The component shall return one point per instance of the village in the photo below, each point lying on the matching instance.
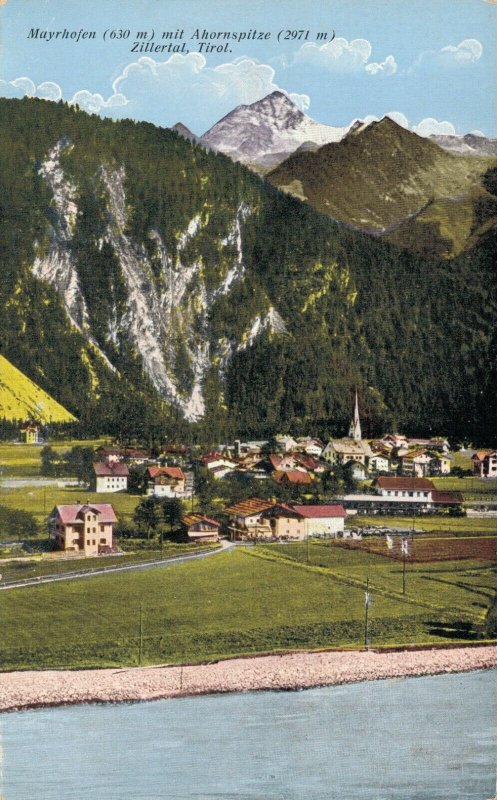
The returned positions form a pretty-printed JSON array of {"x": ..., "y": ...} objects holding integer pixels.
[{"x": 281, "y": 489}]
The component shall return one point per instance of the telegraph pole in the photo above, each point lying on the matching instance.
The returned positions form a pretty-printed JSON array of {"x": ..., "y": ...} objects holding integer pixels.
[
  {"x": 405, "y": 551},
  {"x": 367, "y": 603},
  {"x": 140, "y": 648}
]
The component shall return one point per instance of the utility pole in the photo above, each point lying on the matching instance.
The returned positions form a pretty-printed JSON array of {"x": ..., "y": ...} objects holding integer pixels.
[
  {"x": 405, "y": 550},
  {"x": 140, "y": 648},
  {"x": 367, "y": 603}
]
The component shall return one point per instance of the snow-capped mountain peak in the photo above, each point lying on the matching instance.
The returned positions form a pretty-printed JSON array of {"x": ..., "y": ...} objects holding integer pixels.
[{"x": 267, "y": 131}]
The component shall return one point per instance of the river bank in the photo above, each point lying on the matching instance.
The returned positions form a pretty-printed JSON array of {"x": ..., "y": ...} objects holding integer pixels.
[{"x": 289, "y": 671}]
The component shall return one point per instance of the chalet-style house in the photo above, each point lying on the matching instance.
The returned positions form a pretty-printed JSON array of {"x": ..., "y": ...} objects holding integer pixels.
[
  {"x": 415, "y": 463},
  {"x": 86, "y": 529},
  {"x": 111, "y": 477},
  {"x": 246, "y": 520},
  {"x": 165, "y": 481},
  {"x": 201, "y": 529},
  {"x": 255, "y": 519},
  {"x": 402, "y": 496},
  {"x": 31, "y": 432},
  {"x": 485, "y": 464}
]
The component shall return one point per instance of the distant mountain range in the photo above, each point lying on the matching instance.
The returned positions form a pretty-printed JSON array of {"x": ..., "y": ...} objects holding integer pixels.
[
  {"x": 265, "y": 133},
  {"x": 386, "y": 180},
  {"x": 468, "y": 145},
  {"x": 433, "y": 196}
]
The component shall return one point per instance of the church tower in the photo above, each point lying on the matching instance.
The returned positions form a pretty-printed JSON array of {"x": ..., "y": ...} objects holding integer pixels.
[{"x": 355, "y": 425}]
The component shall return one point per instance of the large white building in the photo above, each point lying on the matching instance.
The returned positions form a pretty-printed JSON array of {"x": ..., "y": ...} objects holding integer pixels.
[
  {"x": 322, "y": 520},
  {"x": 111, "y": 477}
]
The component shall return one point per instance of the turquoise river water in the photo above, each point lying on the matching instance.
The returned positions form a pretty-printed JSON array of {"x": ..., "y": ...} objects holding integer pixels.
[{"x": 431, "y": 738}]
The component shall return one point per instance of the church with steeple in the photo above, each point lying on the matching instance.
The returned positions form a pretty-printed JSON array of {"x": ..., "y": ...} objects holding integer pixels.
[
  {"x": 355, "y": 425},
  {"x": 353, "y": 449}
]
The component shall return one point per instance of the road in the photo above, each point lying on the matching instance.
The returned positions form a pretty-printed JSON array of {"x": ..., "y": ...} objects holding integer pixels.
[{"x": 68, "y": 576}]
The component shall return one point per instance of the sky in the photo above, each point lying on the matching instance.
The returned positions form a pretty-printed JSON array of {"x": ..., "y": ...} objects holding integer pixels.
[{"x": 430, "y": 64}]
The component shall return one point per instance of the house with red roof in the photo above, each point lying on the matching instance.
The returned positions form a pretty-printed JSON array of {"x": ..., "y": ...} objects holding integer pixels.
[
  {"x": 404, "y": 487},
  {"x": 165, "y": 481},
  {"x": 485, "y": 464},
  {"x": 292, "y": 477},
  {"x": 402, "y": 495},
  {"x": 83, "y": 528},
  {"x": 111, "y": 476}
]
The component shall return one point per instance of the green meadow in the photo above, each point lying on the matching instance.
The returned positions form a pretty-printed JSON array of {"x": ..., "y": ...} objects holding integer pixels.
[{"x": 245, "y": 601}]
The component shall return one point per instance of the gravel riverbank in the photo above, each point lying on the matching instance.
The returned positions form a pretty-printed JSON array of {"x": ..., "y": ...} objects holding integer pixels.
[{"x": 33, "y": 689}]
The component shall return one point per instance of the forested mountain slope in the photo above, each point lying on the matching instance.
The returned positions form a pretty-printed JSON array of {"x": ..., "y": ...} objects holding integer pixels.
[{"x": 146, "y": 281}]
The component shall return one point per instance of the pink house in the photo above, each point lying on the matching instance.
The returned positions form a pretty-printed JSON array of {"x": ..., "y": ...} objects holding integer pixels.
[{"x": 86, "y": 529}]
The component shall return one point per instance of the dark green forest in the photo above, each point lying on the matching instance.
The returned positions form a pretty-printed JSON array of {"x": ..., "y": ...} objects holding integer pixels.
[{"x": 416, "y": 337}]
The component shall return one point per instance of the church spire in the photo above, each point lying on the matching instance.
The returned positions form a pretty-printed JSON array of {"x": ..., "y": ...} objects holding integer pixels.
[{"x": 355, "y": 425}]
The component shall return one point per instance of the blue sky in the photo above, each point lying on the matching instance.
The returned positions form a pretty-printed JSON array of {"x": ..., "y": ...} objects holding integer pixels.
[{"x": 429, "y": 63}]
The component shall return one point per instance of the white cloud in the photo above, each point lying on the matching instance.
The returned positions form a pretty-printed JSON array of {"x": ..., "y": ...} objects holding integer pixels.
[
  {"x": 466, "y": 51},
  {"x": 339, "y": 54},
  {"x": 179, "y": 89},
  {"x": 25, "y": 87},
  {"x": 469, "y": 51},
  {"x": 386, "y": 68},
  {"x": 426, "y": 127},
  {"x": 430, "y": 126},
  {"x": 93, "y": 103},
  {"x": 182, "y": 87}
]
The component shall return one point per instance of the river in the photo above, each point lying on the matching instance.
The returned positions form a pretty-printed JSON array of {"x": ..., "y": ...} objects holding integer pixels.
[{"x": 429, "y": 738}]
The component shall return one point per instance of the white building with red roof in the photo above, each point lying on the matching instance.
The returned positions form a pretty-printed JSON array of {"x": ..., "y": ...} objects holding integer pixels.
[
  {"x": 165, "y": 481},
  {"x": 111, "y": 476},
  {"x": 83, "y": 528}
]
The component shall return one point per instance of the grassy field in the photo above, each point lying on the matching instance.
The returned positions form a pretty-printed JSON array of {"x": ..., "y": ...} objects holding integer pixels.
[
  {"x": 23, "y": 460},
  {"x": 435, "y": 524},
  {"x": 243, "y": 601},
  {"x": 40, "y": 500},
  {"x": 471, "y": 488}
]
